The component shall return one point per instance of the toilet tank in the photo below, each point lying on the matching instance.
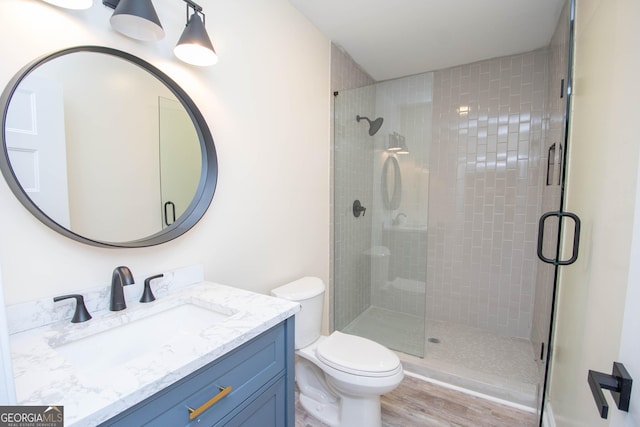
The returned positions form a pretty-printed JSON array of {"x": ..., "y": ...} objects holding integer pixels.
[{"x": 309, "y": 292}]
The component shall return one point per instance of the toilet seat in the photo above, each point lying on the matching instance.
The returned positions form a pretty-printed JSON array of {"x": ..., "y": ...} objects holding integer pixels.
[{"x": 358, "y": 356}]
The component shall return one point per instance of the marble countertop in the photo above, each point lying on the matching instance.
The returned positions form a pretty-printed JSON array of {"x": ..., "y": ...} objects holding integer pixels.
[{"x": 44, "y": 377}]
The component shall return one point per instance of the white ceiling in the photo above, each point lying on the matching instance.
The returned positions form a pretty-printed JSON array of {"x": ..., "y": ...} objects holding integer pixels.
[{"x": 394, "y": 38}]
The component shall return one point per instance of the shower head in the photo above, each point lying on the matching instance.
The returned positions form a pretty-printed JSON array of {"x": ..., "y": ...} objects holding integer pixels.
[{"x": 374, "y": 126}]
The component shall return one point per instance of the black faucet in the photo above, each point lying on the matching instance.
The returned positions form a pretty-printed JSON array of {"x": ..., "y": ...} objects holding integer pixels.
[{"x": 121, "y": 277}]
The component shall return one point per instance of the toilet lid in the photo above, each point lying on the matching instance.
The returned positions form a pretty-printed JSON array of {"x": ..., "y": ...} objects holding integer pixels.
[{"x": 357, "y": 355}]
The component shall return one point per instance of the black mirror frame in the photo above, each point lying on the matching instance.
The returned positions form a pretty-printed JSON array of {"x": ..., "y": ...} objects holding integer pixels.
[{"x": 208, "y": 178}]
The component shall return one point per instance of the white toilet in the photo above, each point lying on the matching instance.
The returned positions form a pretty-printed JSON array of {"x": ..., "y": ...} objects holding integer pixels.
[{"x": 341, "y": 377}]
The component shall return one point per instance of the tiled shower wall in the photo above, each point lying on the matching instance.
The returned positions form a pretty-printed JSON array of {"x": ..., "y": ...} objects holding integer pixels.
[
  {"x": 406, "y": 106},
  {"x": 485, "y": 171},
  {"x": 352, "y": 171},
  {"x": 486, "y": 160},
  {"x": 345, "y": 73}
]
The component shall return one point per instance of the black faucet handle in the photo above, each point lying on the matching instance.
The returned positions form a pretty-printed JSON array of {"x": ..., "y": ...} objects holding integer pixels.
[
  {"x": 81, "y": 314},
  {"x": 147, "y": 295}
]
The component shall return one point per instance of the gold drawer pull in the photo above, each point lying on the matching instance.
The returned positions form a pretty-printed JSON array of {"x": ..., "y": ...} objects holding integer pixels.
[{"x": 194, "y": 413}]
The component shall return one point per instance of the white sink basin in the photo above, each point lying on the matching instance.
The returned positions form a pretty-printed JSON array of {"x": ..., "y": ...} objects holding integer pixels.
[{"x": 103, "y": 351}]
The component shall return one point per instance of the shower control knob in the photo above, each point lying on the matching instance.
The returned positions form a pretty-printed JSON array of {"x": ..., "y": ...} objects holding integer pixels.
[{"x": 358, "y": 208}]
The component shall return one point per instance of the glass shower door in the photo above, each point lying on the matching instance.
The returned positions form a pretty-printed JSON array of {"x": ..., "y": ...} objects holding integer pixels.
[
  {"x": 380, "y": 256},
  {"x": 552, "y": 197}
]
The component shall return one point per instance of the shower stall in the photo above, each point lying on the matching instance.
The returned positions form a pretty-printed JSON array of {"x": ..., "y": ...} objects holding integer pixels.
[{"x": 451, "y": 172}]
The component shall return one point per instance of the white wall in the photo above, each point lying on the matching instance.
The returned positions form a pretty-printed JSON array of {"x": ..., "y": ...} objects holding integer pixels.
[
  {"x": 267, "y": 104},
  {"x": 7, "y": 387},
  {"x": 126, "y": 148},
  {"x": 630, "y": 345},
  {"x": 116, "y": 137}
]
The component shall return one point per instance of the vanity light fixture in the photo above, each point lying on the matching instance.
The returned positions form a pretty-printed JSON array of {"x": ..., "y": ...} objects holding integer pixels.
[
  {"x": 397, "y": 144},
  {"x": 403, "y": 145},
  {"x": 194, "y": 46},
  {"x": 71, "y": 4},
  {"x": 393, "y": 144},
  {"x": 136, "y": 19}
]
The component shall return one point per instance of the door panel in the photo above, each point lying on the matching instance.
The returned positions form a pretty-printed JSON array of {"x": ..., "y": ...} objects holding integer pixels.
[
  {"x": 601, "y": 181},
  {"x": 552, "y": 191},
  {"x": 36, "y": 145},
  {"x": 180, "y": 159}
]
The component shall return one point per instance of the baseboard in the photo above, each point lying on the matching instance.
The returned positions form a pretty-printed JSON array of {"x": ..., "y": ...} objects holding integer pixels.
[
  {"x": 471, "y": 392},
  {"x": 548, "y": 420}
]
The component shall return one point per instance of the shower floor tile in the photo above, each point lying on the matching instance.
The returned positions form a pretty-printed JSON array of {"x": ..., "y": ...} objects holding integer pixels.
[{"x": 476, "y": 359}]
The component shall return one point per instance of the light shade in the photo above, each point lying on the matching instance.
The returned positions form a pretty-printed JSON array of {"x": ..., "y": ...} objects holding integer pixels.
[
  {"x": 194, "y": 46},
  {"x": 403, "y": 145},
  {"x": 393, "y": 144},
  {"x": 397, "y": 143},
  {"x": 137, "y": 19},
  {"x": 71, "y": 4}
]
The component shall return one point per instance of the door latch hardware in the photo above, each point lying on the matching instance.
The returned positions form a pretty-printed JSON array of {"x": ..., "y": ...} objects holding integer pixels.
[{"x": 619, "y": 382}]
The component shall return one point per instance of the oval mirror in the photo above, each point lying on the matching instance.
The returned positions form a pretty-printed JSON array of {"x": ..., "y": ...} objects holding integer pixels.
[
  {"x": 391, "y": 183},
  {"x": 106, "y": 149}
]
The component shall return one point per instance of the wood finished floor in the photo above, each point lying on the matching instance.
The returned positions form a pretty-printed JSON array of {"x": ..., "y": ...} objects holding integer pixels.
[{"x": 417, "y": 403}]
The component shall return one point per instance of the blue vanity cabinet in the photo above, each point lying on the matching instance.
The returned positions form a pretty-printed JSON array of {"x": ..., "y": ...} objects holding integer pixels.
[
  {"x": 263, "y": 411},
  {"x": 260, "y": 374}
]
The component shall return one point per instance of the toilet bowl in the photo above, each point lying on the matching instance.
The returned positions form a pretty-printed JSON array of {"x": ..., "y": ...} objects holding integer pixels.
[{"x": 340, "y": 377}]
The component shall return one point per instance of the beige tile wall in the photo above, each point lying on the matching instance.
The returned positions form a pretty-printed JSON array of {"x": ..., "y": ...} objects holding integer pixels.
[
  {"x": 486, "y": 166},
  {"x": 486, "y": 160},
  {"x": 406, "y": 106}
]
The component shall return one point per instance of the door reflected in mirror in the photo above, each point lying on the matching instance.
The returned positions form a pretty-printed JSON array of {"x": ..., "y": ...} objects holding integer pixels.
[{"x": 180, "y": 159}]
